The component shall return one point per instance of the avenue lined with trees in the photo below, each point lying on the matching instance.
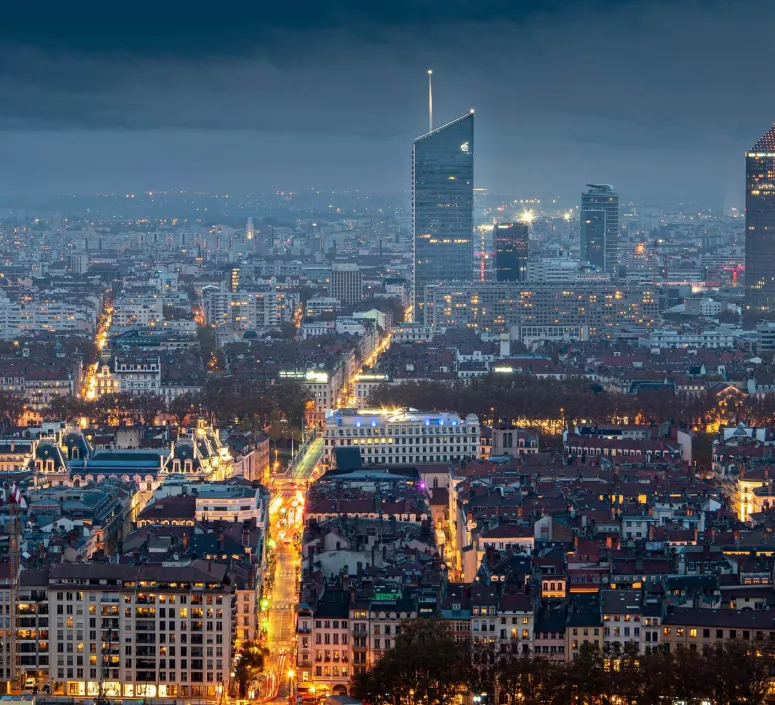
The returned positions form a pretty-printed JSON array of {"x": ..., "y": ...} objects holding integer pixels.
[
  {"x": 536, "y": 401},
  {"x": 225, "y": 401},
  {"x": 430, "y": 667}
]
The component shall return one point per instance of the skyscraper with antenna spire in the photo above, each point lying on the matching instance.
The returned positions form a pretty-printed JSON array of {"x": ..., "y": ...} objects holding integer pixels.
[
  {"x": 442, "y": 205},
  {"x": 250, "y": 230},
  {"x": 760, "y": 225}
]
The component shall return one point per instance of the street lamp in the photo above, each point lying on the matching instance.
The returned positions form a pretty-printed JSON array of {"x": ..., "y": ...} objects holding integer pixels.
[{"x": 291, "y": 674}]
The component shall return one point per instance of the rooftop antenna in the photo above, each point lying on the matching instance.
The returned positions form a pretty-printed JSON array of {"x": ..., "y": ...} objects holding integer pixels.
[{"x": 430, "y": 100}]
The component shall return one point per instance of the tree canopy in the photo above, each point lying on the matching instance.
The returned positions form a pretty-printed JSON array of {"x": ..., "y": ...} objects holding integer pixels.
[
  {"x": 250, "y": 663},
  {"x": 428, "y": 665},
  {"x": 529, "y": 399}
]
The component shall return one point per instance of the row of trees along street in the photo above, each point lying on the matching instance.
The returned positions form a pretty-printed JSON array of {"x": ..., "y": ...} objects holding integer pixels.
[
  {"x": 540, "y": 401},
  {"x": 429, "y": 666},
  {"x": 225, "y": 401}
]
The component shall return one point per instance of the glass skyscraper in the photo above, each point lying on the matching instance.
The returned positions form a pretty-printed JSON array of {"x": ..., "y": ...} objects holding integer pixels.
[
  {"x": 511, "y": 249},
  {"x": 600, "y": 227},
  {"x": 442, "y": 207},
  {"x": 760, "y": 225}
]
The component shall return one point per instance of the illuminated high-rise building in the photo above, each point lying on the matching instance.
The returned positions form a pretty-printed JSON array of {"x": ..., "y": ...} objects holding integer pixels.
[
  {"x": 511, "y": 249},
  {"x": 600, "y": 227},
  {"x": 250, "y": 230},
  {"x": 442, "y": 207},
  {"x": 760, "y": 225}
]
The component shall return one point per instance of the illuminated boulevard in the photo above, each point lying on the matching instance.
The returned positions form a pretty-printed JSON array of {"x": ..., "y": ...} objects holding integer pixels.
[{"x": 286, "y": 516}]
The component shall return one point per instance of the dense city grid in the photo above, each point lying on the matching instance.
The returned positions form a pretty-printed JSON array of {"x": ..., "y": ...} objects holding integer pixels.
[{"x": 461, "y": 445}]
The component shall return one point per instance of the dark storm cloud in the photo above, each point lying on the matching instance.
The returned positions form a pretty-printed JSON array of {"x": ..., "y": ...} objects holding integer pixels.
[
  {"x": 337, "y": 67},
  {"x": 655, "y": 96},
  {"x": 196, "y": 29}
]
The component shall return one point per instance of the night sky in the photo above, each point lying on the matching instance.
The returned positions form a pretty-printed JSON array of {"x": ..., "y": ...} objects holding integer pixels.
[{"x": 659, "y": 98}]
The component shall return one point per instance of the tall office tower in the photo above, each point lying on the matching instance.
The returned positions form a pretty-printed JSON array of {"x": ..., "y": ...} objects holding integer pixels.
[
  {"x": 442, "y": 207},
  {"x": 511, "y": 248},
  {"x": 250, "y": 231},
  {"x": 600, "y": 227},
  {"x": 346, "y": 282},
  {"x": 760, "y": 225}
]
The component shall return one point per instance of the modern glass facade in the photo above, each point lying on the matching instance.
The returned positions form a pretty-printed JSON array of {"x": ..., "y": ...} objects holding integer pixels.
[
  {"x": 600, "y": 227},
  {"x": 511, "y": 250},
  {"x": 443, "y": 207},
  {"x": 760, "y": 225}
]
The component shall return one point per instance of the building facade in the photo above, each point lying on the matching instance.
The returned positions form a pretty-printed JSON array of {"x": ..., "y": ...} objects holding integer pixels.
[
  {"x": 511, "y": 252},
  {"x": 346, "y": 283},
  {"x": 600, "y": 227},
  {"x": 760, "y": 224},
  {"x": 442, "y": 207},
  {"x": 401, "y": 436},
  {"x": 143, "y": 631},
  {"x": 600, "y": 308},
  {"x": 258, "y": 307}
]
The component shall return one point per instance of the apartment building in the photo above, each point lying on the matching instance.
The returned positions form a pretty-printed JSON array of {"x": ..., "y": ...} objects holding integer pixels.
[
  {"x": 42, "y": 385},
  {"x": 17, "y": 318},
  {"x": 748, "y": 490},
  {"x": 260, "y": 307},
  {"x": 144, "y": 631},
  {"x": 622, "y": 619},
  {"x": 484, "y": 614},
  {"x": 137, "y": 375},
  {"x": 401, "y": 436},
  {"x": 39, "y": 380},
  {"x": 516, "y": 621},
  {"x": 32, "y": 627},
  {"x": 365, "y": 384},
  {"x": 105, "y": 382},
  {"x": 137, "y": 311},
  {"x": 6, "y": 632},
  {"x": 584, "y": 625},
  {"x": 323, "y": 656},
  {"x": 230, "y": 503},
  {"x": 323, "y": 387},
  {"x": 696, "y": 628},
  {"x": 346, "y": 282},
  {"x": 513, "y": 441},
  {"x": 495, "y": 308},
  {"x": 386, "y": 612},
  {"x": 317, "y": 305},
  {"x": 413, "y": 333}
]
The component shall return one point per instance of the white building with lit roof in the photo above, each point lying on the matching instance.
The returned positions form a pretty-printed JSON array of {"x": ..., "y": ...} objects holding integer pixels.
[{"x": 402, "y": 436}]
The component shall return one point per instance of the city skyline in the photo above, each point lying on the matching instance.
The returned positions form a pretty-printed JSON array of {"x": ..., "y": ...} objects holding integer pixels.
[{"x": 292, "y": 414}]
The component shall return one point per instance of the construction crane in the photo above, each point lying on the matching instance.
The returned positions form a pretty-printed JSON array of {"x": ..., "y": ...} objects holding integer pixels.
[{"x": 16, "y": 502}]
